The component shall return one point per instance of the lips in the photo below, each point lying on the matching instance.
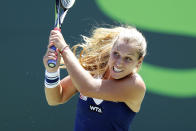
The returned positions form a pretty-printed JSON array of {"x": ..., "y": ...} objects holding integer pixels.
[{"x": 117, "y": 70}]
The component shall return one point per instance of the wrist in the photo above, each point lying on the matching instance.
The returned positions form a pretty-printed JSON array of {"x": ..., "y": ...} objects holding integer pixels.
[
  {"x": 52, "y": 79},
  {"x": 66, "y": 47},
  {"x": 52, "y": 74}
]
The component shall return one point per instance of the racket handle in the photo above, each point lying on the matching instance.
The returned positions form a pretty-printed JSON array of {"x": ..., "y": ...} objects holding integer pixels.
[{"x": 52, "y": 63}]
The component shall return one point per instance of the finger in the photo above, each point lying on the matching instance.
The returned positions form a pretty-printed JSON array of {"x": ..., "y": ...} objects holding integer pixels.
[
  {"x": 52, "y": 54},
  {"x": 58, "y": 56},
  {"x": 53, "y": 32},
  {"x": 56, "y": 35},
  {"x": 51, "y": 58},
  {"x": 51, "y": 50},
  {"x": 46, "y": 58},
  {"x": 54, "y": 41},
  {"x": 54, "y": 38},
  {"x": 50, "y": 44},
  {"x": 58, "y": 53}
]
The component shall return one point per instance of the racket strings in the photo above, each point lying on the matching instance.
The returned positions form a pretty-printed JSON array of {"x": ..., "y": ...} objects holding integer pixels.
[{"x": 60, "y": 14}]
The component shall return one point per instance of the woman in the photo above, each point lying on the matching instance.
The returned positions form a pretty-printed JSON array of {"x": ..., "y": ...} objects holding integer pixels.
[{"x": 105, "y": 75}]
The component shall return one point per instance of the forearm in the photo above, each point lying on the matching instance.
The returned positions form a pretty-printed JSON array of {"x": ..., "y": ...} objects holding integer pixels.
[
  {"x": 53, "y": 95},
  {"x": 82, "y": 79},
  {"x": 53, "y": 89}
]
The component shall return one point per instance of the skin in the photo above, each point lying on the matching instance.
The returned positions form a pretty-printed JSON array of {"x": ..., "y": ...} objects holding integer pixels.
[
  {"x": 123, "y": 57},
  {"x": 123, "y": 86}
]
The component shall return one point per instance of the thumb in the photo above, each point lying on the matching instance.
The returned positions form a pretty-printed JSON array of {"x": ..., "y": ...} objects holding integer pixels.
[{"x": 58, "y": 55}]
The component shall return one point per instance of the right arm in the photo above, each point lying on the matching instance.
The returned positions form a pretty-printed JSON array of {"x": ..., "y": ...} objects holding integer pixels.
[
  {"x": 63, "y": 91},
  {"x": 60, "y": 94}
]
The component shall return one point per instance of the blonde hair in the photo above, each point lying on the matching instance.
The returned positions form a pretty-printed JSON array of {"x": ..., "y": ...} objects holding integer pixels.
[{"x": 96, "y": 49}]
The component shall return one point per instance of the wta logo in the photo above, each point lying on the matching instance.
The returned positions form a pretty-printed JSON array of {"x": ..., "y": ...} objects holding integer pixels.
[{"x": 96, "y": 108}]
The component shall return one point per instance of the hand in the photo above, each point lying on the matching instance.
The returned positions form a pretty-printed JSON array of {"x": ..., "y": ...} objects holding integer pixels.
[
  {"x": 51, "y": 54},
  {"x": 56, "y": 39}
]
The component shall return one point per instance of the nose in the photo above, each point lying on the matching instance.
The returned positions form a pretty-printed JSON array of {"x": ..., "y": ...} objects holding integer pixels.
[{"x": 119, "y": 62}]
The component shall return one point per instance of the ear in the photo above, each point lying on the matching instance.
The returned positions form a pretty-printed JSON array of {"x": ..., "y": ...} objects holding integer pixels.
[{"x": 140, "y": 61}]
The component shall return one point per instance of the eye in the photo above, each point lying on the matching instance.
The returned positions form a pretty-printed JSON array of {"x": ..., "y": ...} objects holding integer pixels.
[
  {"x": 115, "y": 54},
  {"x": 128, "y": 59}
]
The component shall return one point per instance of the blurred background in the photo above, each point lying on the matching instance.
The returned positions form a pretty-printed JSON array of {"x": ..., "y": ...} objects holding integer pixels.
[{"x": 169, "y": 68}]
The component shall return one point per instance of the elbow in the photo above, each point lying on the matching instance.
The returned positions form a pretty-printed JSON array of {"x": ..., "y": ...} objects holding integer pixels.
[
  {"x": 85, "y": 90},
  {"x": 56, "y": 103},
  {"x": 89, "y": 88},
  {"x": 53, "y": 104}
]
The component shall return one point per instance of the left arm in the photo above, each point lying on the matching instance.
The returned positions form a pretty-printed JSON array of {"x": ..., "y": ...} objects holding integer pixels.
[{"x": 113, "y": 90}]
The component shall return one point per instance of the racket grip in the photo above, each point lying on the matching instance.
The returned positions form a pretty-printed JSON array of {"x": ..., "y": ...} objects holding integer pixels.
[{"x": 52, "y": 63}]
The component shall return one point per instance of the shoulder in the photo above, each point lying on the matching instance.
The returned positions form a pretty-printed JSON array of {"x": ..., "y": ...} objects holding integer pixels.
[
  {"x": 137, "y": 92},
  {"x": 139, "y": 82}
]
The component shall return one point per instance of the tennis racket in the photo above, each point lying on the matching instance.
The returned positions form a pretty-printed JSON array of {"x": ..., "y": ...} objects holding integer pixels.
[{"x": 61, "y": 8}]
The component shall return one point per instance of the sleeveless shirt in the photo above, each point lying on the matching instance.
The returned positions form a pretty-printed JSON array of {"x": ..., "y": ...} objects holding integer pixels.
[{"x": 101, "y": 115}]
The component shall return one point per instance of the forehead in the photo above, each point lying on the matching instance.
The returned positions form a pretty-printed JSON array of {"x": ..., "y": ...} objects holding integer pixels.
[{"x": 125, "y": 46}]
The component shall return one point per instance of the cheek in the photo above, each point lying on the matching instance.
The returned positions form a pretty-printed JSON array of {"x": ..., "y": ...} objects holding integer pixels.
[
  {"x": 129, "y": 69},
  {"x": 111, "y": 57},
  {"x": 130, "y": 66},
  {"x": 111, "y": 60},
  {"x": 134, "y": 66}
]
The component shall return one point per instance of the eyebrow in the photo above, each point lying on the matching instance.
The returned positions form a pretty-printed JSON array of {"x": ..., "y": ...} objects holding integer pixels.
[{"x": 131, "y": 54}]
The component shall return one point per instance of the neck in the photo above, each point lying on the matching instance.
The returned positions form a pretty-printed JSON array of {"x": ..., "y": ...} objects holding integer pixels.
[{"x": 107, "y": 76}]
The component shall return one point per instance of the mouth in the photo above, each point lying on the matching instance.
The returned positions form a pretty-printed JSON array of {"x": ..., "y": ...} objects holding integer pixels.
[{"x": 117, "y": 70}]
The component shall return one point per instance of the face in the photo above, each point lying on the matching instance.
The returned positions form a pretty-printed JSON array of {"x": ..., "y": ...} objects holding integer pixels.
[{"x": 123, "y": 59}]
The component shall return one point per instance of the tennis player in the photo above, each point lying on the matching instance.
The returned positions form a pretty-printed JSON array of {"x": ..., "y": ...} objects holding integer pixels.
[{"x": 105, "y": 75}]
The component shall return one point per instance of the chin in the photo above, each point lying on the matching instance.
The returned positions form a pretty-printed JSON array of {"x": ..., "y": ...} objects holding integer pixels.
[{"x": 117, "y": 77}]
